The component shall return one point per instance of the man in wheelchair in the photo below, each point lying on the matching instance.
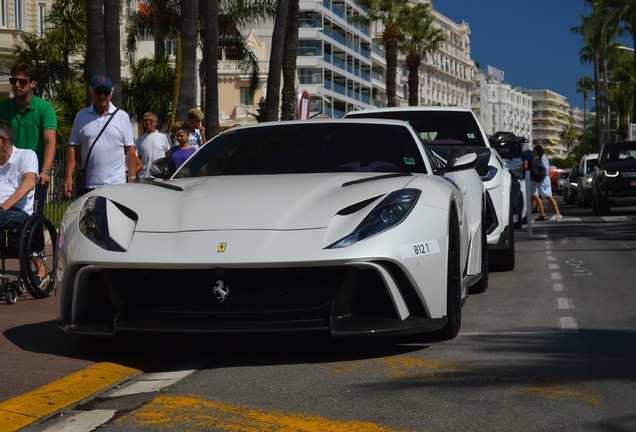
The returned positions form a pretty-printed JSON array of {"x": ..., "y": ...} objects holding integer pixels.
[{"x": 18, "y": 177}]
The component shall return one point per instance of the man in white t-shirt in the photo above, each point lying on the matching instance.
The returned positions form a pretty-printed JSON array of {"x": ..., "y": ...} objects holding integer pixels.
[
  {"x": 18, "y": 176},
  {"x": 152, "y": 145},
  {"x": 113, "y": 159}
]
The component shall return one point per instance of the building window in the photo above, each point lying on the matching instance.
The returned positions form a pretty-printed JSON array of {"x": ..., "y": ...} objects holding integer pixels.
[
  {"x": 19, "y": 11},
  {"x": 41, "y": 19},
  {"x": 309, "y": 76},
  {"x": 171, "y": 47},
  {"x": 3, "y": 14},
  {"x": 309, "y": 48},
  {"x": 246, "y": 97}
]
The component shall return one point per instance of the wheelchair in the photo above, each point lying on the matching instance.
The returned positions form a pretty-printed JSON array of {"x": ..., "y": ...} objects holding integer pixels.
[{"x": 33, "y": 244}]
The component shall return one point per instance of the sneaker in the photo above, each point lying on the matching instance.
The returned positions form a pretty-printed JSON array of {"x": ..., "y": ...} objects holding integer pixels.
[
  {"x": 541, "y": 218},
  {"x": 42, "y": 283},
  {"x": 556, "y": 217}
]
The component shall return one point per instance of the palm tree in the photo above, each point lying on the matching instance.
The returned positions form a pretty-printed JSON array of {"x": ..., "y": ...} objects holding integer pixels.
[
  {"x": 420, "y": 38},
  {"x": 112, "y": 40},
  {"x": 568, "y": 135},
  {"x": 623, "y": 12},
  {"x": 621, "y": 101},
  {"x": 189, "y": 35},
  {"x": 276, "y": 62},
  {"x": 290, "y": 54},
  {"x": 146, "y": 89},
  {"x": 585, "y": 85},
  {"x": 211, "y": 47},
  {"x": 96, "y": 44},
  {"x": 391, "y": 14}
]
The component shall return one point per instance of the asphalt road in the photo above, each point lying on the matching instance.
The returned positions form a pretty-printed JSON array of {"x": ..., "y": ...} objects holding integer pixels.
[{"x": 551, "y": 346}]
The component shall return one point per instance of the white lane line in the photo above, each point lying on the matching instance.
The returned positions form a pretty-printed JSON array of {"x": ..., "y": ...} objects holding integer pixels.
[
  {"x": 78, "y": 421},
  {"x": 556, "y": 276},
  {"x": 565, "y": 303},
  {"x": 553, "y": 266},
  {"x": 559, "y": 287},
  {"x": 569, "y": 324}
]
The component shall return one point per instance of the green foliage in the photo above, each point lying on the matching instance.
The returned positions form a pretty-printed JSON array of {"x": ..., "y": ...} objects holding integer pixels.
[{"x": 149, "y": 88}]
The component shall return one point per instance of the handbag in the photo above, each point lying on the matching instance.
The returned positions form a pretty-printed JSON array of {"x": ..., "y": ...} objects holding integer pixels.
[{"x": 80, "y": 175}]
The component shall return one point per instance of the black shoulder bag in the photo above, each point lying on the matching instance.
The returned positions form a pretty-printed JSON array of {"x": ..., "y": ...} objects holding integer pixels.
[{"x": 80, "y": 176}]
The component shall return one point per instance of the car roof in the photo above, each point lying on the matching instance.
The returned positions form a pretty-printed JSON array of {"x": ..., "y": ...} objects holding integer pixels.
[{"x": 411, "y": 108}]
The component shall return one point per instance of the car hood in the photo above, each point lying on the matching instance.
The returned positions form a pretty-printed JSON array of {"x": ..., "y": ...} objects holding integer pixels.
[{"x": 264, "y": 202}]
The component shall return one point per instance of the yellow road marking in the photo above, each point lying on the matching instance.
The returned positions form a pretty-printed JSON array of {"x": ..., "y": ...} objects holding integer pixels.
[
  {"x": 564, "y": 392},
  {"x": 193, "y": 413},
  {"x": 20, "y": 411}
]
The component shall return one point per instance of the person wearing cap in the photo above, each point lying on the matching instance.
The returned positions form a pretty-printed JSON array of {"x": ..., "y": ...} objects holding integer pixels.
[
  {"x": 34, "y": 123},
  {"x": 113, "y": 159}
]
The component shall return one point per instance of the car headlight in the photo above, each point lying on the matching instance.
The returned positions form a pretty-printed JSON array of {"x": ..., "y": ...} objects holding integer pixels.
[
  {"x": 392, "y": 210},
  {"x": 487, "y": 173},
  {"x": 610, "y": 173},
  {"x": 107, "y": 224},
  {"x": 589, "y": 180}
]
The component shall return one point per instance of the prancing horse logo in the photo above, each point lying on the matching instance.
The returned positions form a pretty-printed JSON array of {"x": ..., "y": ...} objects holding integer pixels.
[{"x": 221, "y": 290}]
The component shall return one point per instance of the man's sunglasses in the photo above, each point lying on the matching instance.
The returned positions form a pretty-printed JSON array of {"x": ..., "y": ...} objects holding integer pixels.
[
  {"x": 22, "y": 81},
  {"x": 102, "y": 92}
]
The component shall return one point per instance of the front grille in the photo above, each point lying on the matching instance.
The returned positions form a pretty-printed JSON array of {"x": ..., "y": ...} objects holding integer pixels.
[{"x": 248, "y": 290}]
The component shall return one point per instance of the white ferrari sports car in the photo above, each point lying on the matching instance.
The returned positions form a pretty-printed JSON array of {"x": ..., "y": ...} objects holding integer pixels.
[
  {"x": 454, "y": 131},
  {"x": 350, "y": 227}
]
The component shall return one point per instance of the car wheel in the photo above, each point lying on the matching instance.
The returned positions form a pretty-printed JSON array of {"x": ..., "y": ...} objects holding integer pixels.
[
  {"x": 482, "y": 285},
  {"x": 453, "y": 284}
]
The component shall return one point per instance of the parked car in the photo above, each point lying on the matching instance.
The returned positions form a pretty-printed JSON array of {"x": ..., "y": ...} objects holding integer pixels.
[
  {"x": 614, "y": 177},
  {"x": 509, "y": 147},
  {"x": 348, "y": 227},
  {"x": 564, "y": 174},
  {"x": 452, "y": 132},
  {"x": 585, "y": 179},
  {"x": 570, "y": 191}
]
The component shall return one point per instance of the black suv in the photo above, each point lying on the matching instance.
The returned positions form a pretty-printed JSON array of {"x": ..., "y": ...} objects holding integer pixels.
[{"x": 614, "y": 176}]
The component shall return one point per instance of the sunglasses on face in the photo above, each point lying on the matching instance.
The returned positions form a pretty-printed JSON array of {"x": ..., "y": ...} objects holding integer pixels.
[
  {"x": 22, "y": 81},
  {"x": 102, "y": 92}
]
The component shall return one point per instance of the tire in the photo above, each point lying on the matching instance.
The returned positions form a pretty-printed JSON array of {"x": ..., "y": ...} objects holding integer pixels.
[
  {"x": 10, "y": 295},
  {"x": 504, "y": 259},
  {"x": 453, "y": 283},
  {"x": 37, "y": 248},
  {"x": 482, "y": 285}
]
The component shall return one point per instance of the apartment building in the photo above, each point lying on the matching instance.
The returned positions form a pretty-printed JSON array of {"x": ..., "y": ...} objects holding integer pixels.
[
  {"x": 550, "y": 114},
  {"x": 510, "y": 110},
  {"x": 447, "y": 76}
]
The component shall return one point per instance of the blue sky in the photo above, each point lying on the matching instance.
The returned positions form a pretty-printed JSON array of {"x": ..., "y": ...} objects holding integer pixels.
[{"x": 530, "y": 40}]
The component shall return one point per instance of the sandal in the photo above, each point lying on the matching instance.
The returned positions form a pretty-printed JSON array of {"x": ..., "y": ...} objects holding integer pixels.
[{"x": 542, "y": 218}]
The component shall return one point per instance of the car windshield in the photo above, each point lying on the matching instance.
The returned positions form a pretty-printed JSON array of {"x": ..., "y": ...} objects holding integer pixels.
[
  {"x": 591, "y": 163},
  {"x": 310, "y": 147},
  {"x": 616, "y": 152},
  {"x": 437, "y": 128}
]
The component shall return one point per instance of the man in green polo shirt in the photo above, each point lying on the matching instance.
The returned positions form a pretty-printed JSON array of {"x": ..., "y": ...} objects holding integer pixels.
[{"x": 34, "y": 123}]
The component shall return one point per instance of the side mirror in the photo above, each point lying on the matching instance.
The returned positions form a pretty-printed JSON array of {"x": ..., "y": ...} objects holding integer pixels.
[
  {"x": 163, "y": 168},
  {"x": 464, "y": 162}
]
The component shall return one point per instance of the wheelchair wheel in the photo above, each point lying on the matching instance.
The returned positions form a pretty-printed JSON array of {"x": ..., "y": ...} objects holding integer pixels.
[
  {"x": 10, "y": 295},
  {"x": 37, "y": 250}
]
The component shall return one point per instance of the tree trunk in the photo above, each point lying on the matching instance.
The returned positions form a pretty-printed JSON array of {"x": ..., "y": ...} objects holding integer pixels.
[
  {"x": 189, "y": 37},
  {"x": 211, "y": 47},
  {"x": 413, "y": 66},
  {"x": 391, "y": 47},
  {"x": 159, "y": 24},
  {"x": 112, "y": 38},
  {"x": 95, "y": 43},
  {"x": 272, "y": 100},
  {"x": 288, "y": 111}
]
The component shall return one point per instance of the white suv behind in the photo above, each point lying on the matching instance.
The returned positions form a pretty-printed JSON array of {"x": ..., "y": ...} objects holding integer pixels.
[{"x": 452, "y": 132}]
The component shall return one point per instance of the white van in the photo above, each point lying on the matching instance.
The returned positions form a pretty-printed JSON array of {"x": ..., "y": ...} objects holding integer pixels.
[{"x": 585, "y": 178}]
